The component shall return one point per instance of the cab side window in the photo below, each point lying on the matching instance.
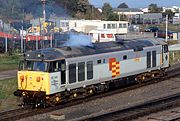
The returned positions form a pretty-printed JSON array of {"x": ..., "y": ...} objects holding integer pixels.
[
  {"x": 53, "y": 66},
  {"x": 72, "y": 73},
  {"x": 62, "y": 66},
  {"x": 81, "y": 71},
  {"x": 165, "y": 48},
  {"x": 89, "y": 70}
]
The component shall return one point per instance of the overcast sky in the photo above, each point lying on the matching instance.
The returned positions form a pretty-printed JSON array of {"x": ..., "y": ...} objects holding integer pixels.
[{"x": 137, "y": 3}]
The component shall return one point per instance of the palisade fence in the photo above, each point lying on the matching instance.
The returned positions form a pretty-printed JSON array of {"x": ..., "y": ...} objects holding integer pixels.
[
  {"x": 19, "y": 44},
  {"x": 174, "y": 53},
  {"x": 178, "y": 35},
  {"x": 174, "y": 57}
]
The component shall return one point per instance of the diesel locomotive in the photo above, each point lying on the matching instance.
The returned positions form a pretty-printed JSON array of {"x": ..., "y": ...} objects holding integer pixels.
[{"x": 54, "y": 75}]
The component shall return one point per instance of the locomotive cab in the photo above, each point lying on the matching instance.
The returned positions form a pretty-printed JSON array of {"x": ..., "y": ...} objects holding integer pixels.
[{"x": 39, "y": 79}]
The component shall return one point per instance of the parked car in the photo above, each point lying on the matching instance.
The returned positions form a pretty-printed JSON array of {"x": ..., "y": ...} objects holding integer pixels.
[
  {"x": 162, "y": 34},
  {"x": 152, "y": 29}
]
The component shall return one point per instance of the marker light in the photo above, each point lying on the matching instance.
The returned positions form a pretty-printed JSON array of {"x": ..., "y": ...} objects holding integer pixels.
[
  {"x": 24, "y": 94},
  {"x": 38, "y": 79}
]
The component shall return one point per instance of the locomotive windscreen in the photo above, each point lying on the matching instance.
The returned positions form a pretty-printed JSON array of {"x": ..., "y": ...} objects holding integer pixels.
[{"x": 33, "y": 66}]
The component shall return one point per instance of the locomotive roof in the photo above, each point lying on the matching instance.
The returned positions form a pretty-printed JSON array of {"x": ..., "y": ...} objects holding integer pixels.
[{"x": 50, "y": 54}]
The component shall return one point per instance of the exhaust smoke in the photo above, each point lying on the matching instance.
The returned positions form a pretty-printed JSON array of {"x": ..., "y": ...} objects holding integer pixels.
[{"x": 77, "y": 40}]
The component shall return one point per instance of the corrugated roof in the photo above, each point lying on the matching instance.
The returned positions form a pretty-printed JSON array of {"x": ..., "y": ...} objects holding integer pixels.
[{"x": 127, "y": 10}]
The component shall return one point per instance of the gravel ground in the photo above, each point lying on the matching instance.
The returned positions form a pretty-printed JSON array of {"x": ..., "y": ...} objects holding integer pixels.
[
  {"x": 162, "y": 116},
  {"x": 114, "y": 102}
]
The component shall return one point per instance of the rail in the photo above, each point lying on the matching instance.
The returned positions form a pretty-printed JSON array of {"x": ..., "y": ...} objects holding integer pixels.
[{"x": 140, "y": 110}]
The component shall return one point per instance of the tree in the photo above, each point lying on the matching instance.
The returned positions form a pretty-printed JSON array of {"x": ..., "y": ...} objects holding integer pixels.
[
  {"x": 169, "y": 13},
  {"x": 176, "y": 10},
  {"x": 106, "y": 11},
  {"x": 108, "y": 14},
  {"x": 74, "y": 7},
  {"x": 123, "y": 17},
  {"x": 153, "y": 8},
  {"x": 18, "y": 10},
  {"x": 70, "y": 6},
  {"x": 11, "y": 9},
  {"x": 113, "y": 17},
  {"x": 123, "y": 5},
  {"x": 92, "y": 13},
  {"x": 83, "y": 5}
]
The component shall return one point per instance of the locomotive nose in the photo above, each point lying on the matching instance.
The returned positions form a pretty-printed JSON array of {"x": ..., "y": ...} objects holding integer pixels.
[{"x": 32, "y": 81}]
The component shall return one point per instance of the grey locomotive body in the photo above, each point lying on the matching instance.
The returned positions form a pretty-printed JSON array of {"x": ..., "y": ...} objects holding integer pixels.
[{"x": 74, "y": 71}]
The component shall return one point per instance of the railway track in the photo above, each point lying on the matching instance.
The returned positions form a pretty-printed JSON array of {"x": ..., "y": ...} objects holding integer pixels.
[
  {"x": 172, "y": 116},
  {"x": 134, "y": 112},
  {"x": 11, "y": 114},
  {"x": 26, "y": 112}
]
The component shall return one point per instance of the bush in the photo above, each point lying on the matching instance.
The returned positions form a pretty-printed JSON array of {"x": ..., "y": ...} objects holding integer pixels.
[
  {"x": 172, "y": 42},
  {"x": 9, "y": 62}
]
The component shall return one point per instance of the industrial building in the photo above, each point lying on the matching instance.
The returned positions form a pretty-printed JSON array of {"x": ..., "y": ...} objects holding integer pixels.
[{"x": 85, "y": 26}]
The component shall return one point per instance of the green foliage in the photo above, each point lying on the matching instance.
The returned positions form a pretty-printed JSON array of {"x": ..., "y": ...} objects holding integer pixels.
[
  {"x": 176, "y": 10},
  {"x": 74, "y": 6},
  {"x": 109, "y": 15},
  {"x": 7, "y": 87},
  {"x": 11, "y": 9},
  {"x": 153, "y": 8},
  {"x": 7, "y": 99},
  {"x": 9, "y": 62},
  {"x": 82, "y": 5},
  {"x": 176, "y": 58},
  {"x": 169, "y": 13},
  {"x": 69, "y": 5},
  {"x": 113, "y": 17},
  {"x": 123, "y": 5},
  {"x": 18, "y": 10},
  {"x": 106, "y": 11},
  {"x": 123, "y": 17}
]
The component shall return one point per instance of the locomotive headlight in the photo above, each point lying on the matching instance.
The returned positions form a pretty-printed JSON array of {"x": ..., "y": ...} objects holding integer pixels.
[
  {"x": 24, "y": 94},
  {"x": 39, "y": 55}
]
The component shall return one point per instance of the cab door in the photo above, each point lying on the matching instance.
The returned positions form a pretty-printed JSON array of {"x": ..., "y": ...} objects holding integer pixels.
[
  {"x": 57, "y": 70},
  {"x": 55, "y": 77},
  {"x": 165, "y": 56},
  {"x": 62, "y": 66}
]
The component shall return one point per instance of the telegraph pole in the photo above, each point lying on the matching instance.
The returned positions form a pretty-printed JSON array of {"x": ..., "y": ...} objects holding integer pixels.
[
  {"x": 6, "y": 44},
  {"x": 44, "y": 9},
  {"x": 22, "y": 43},
  {"x": 44, "y": 20},
  {"x": 166, "y": 28}
]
